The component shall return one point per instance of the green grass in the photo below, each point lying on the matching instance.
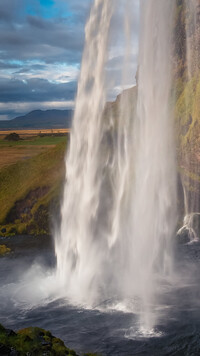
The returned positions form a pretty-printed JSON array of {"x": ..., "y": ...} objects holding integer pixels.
[
  {"x": 35, "y": 141},
  {"x": 17, "y": 180}
]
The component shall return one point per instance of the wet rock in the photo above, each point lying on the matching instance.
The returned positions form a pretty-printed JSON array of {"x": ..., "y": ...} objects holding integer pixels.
[
  {"x": 10, "y": 332},
  {"x": 190, "y": 230},
  {"x": 183, "y": 235},
  {"x": 14, "y": 352},
  {"x": 5, "y": 350}
]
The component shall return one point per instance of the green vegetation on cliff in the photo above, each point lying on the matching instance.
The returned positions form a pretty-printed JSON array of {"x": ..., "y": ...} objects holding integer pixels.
[
  {"x": 33, "y": 342},
  {"x": 186, "y": 67},
  {"x": 187, "y": 121},
  {"x": 187, "y": 113}
]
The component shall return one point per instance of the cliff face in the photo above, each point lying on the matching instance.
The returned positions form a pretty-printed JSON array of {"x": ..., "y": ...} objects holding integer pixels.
[
  {"x": 187, "y": 99},
  {"x": 186, "y": 96}
]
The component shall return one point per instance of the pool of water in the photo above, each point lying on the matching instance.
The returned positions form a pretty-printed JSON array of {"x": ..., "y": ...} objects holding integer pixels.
[{"x": 112, "y": 328}]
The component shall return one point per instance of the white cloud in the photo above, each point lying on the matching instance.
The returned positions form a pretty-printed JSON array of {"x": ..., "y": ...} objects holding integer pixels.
[{"x": 29, "y": 106}]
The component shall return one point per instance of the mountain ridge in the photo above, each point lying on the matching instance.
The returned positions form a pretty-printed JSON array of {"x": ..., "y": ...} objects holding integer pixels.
[{"x": 40, "y": 119}]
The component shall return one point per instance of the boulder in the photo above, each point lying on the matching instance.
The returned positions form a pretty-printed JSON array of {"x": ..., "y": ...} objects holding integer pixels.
[
  {"x": 183, "y": 235},
  {"x": 190, "y": 230}
]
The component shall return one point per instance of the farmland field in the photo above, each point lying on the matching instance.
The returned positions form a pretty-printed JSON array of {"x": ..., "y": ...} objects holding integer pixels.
[
  {"x": 27, "y": 147},
  {"x": 28, "y": 133}
]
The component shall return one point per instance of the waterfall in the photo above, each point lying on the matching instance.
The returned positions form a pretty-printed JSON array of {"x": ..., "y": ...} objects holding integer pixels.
[
  {"x": 119, "y": 204},
  {"x": 79, "y": 248}
]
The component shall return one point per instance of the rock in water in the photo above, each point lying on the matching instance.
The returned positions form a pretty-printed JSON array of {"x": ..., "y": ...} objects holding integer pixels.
[{"x": 190, "y": 230}]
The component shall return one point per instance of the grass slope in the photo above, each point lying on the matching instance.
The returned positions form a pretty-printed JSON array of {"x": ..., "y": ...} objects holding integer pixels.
[{"x": 29, "y": 187}]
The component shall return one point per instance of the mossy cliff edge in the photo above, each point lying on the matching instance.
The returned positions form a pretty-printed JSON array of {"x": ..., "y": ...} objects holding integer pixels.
[{"x": 33, "y": 342}]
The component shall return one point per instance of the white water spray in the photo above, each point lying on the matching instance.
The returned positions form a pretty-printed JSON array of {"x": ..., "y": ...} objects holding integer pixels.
[
  {"x": 118, "y": 213},
  {"x": 154, "y": 189}
]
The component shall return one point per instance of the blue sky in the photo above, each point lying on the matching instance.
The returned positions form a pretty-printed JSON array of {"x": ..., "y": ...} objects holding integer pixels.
[{"x": 41, "y": 44}]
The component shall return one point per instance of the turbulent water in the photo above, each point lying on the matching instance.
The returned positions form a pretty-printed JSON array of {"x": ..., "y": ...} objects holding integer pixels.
[
  {"x": 25, "y": 302},
  {"x": 118, "y": 213}
]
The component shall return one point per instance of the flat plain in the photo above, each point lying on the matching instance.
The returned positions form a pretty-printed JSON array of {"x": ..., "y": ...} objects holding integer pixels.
[{"x": 28, "y": 147}]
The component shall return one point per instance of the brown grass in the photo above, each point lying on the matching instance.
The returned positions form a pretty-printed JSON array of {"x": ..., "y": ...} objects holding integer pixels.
[
  {"x": 28, "y": 133},
  {"x": 27, "y": 148},
  {"x": 10, "y": 155},
  {"x": 43, "y": 170}
]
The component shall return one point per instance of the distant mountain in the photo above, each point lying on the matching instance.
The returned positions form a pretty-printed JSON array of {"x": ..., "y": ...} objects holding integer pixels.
[{"x": 39, "y": 119}]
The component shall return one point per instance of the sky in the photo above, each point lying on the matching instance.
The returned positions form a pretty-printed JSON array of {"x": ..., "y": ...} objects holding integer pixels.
[{"x": 41, "y": 44}]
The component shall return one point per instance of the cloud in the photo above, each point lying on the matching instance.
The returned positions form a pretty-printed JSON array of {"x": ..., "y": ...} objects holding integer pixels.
[
  {"x": 39, "y": 55},
  {"x": 25, "y": 36},
  {"x": 32, "y": 90},
  {"x": 41, "y": 44}
]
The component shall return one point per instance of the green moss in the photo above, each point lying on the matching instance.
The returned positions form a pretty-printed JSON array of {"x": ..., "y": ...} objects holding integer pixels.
[
  {"x": 4, "y": 250},
  {"x": 187, "y": 114},
  {"x": 189, "y": 174},
  {"x": 34, "y": 341}
]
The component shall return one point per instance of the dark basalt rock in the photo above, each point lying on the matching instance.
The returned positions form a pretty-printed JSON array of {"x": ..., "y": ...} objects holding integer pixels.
[
  {"x": 183, "y": 236},
  {"x": 5, "y": 350},
  {"x": 10, "y": 332},
  {"x": 13, "y": 352}
]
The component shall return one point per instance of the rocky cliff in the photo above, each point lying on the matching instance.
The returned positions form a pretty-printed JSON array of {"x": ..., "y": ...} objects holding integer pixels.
[
  {"x": 186, "y": 70},
  {"x": 186, "y": 103}
]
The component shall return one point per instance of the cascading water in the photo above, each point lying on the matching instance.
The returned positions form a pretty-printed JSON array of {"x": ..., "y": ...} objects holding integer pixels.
[
  {"x": 80, "y": 251},
  {"x": 118, "y": 213},
  {"x": 153, "y": 204}
]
